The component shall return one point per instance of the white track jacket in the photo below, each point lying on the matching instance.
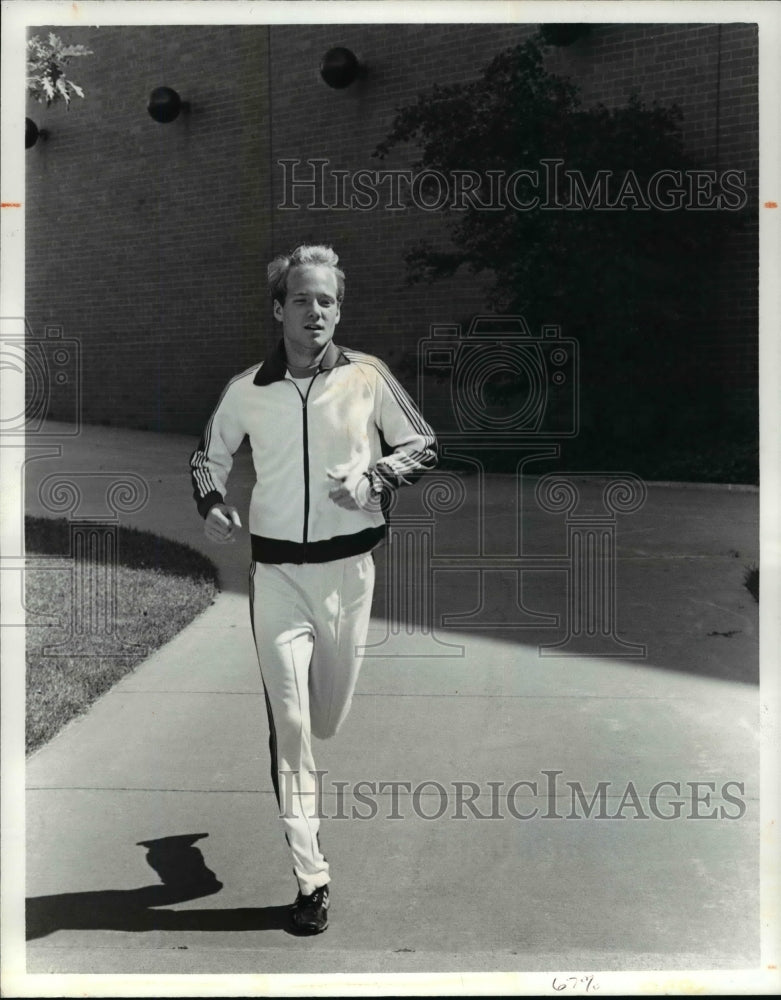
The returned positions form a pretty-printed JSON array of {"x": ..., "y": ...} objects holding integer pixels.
[{"x": 353, "y": 413}]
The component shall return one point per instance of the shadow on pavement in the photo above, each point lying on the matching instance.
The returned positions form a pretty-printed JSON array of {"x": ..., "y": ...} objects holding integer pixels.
[
  {"x": 668, "y": 577},
  {"x": 184, "y": 875},
  {"x": 130, "y": 910}
]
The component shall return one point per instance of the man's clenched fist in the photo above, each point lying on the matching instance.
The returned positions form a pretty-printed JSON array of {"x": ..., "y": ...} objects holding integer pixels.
[{"x": 221, "y": 523}]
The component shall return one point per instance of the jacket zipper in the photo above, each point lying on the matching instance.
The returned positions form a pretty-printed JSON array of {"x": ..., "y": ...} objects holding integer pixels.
[{"x": 304, "y": 400}]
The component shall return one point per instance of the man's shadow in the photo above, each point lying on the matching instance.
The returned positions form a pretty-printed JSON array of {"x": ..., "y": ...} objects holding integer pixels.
[{"x": 183, "y": 875}]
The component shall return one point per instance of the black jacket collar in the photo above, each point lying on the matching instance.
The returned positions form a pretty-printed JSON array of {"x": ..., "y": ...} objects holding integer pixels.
[{"x": 274, "y": 366}]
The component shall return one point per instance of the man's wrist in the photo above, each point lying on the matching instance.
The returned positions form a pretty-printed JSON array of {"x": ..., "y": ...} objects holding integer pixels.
[
  {"x": 375, "y": 491},
  {"x": 206, "y": 503},
  {"x": 375, "y": 484}
]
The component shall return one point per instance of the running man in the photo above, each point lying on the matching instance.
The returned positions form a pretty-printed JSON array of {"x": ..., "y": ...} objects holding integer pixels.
[{"x": 331, "y": 431}]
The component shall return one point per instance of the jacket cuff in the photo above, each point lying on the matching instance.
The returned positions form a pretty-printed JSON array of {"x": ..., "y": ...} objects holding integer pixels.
[
  {"x": 375, "y": 483},
  {"x": 206, "y": 503},
  {"x": 379, "y": 492}
]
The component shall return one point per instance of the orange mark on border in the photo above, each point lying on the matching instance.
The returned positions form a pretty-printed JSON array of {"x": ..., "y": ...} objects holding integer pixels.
[
  {"x": 10, "y": 204},
  {"x": 771, "y": 204}
]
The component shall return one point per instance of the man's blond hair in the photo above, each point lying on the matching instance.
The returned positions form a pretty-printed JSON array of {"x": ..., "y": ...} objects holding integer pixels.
[{"x": 319, "y": 256}]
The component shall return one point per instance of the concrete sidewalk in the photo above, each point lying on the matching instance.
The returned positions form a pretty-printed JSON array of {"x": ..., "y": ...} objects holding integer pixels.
[{"x": 178, "y": 749}]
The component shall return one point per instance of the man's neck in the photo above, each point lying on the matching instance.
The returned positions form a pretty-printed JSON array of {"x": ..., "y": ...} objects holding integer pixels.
[
  {"x": 303, "y": 360},
  {"x": 297, "y": 372}
]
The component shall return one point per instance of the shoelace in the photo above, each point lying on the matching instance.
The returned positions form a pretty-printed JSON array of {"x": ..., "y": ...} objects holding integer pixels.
[{"x": 315, "y": 899}]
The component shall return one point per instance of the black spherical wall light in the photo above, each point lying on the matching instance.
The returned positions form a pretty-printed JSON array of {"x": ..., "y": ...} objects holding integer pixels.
[
  {"x": 339, "y": 67},
  {"x": 31, "y": 133},
  {"x": 165, "y": 105}
]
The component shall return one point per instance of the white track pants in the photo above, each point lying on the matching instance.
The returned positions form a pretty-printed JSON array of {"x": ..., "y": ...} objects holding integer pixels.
[{"x": 307, "y": 621}]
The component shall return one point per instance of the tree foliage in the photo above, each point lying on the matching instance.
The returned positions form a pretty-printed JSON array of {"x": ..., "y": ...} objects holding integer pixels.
[
  {"x": 635, "y": 285},
  {"x": 46, "y": 61}
]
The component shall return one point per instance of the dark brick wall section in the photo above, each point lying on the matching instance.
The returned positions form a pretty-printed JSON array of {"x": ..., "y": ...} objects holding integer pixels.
[
  {"x": 149, "y": 242},
  {"x": 145, "y": 240},
  {"x": 711, "y": 72}
]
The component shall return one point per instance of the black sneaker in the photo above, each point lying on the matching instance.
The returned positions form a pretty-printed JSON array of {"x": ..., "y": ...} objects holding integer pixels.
[{"x": 310, "y": 913}]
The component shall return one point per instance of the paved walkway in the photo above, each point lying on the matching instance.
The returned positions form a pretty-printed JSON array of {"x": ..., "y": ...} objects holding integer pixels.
[{"x": 176, "y": 754}]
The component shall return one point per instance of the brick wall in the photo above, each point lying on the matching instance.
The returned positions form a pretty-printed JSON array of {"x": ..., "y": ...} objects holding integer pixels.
[
  {"x": 148, "y": 242},
  {"x": 145, "y": 241}
]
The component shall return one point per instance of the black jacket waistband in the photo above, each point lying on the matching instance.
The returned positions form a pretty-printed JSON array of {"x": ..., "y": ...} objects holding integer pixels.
[{"x": 278, "y": 550}]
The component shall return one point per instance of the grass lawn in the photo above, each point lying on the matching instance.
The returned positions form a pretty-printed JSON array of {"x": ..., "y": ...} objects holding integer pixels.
[{"x": 160, "y": 587}]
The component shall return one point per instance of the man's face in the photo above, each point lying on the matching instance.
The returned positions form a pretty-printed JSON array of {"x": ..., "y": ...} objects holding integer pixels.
[{"x": 311, "y": 311}]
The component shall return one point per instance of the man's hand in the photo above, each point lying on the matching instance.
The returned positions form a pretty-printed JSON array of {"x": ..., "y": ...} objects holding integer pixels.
[
  {"x": 350, "y": 491},
  {"x": 352, "y": 487},
  {"x": 221, "y": 523}
]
